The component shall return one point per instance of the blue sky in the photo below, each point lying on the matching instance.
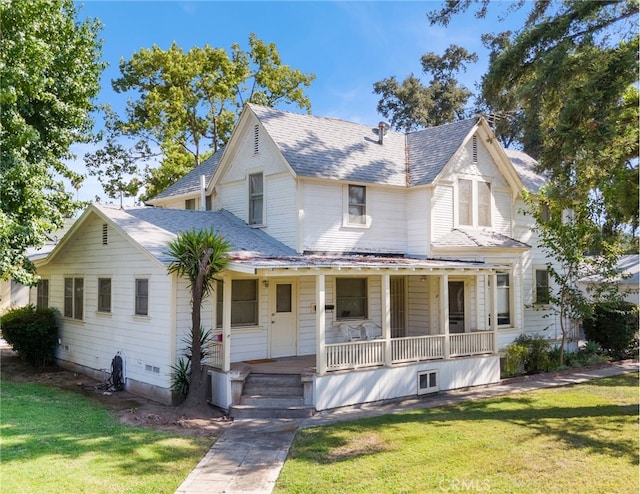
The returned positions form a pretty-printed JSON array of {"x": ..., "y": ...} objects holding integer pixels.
[{"x": 348, "y": 45}]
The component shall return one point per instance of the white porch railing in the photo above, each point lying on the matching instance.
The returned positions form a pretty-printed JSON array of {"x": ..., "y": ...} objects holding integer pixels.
[
  {"x": 416, "y": 348},
  {"x": 464, "y": 344},
  {"x": 355, "y": 354}
]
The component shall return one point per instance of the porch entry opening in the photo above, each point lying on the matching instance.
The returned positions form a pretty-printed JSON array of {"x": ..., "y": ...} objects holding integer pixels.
[
  {"x": 284, "y": 327},
  {"x": 456, "y": 307}
]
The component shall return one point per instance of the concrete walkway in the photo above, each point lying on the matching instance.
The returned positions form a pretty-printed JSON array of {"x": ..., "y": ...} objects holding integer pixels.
[{"x": 248, "y": 457}]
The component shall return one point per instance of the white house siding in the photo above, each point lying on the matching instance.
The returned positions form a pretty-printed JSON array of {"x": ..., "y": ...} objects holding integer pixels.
[
  {"x": 442, "y": 215},
  {"x": 324, "y": 229},
  {"x": 144, "y": 342},
  {"x": 418, "y": 306},
  {"x": 502, "y": 212},
  {"x": 339, "y": 389},
  {"x": 418, "y": 227},
  {"x": 281, "y": 218}
]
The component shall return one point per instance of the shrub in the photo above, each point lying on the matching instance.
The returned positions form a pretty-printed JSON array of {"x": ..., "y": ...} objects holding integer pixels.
[
  {"x": 32, "y": 332},
  {"x": 614, "y": 326},
  {"x": 527, "y": 355}
]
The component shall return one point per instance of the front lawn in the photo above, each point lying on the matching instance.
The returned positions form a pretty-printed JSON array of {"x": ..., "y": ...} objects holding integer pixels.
[
  {"x": 578, "y": 439},
  {"x": 56, "y": 441}
]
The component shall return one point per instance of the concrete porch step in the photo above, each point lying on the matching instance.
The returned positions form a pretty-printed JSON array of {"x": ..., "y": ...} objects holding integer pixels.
[
  {"x": 249, "y": 411},
  {"x": 272, "y": 401},
  {"x": 273, "y": 391}
]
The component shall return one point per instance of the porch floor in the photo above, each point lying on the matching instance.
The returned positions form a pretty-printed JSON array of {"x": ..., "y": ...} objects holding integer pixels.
[{"x": 283, "y": 365}]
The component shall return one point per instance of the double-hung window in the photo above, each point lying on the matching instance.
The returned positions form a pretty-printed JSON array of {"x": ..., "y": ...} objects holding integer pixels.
[
  {"x": 244, "y": 303},
  {"x": 142, "y": 297},
  {"x": 74, "y": 298},
  {"x": 104, "y": 294},
  {"x": 357, "y": 205},
  {"x": 504, "y": 299},
  {"x": 351, "y": 298},
  {"x": 42, "y": 294},
  {"x": 543, "y": 295},
  {"x": 474, "y": 203},
  {"x": 256, "y": 199}
]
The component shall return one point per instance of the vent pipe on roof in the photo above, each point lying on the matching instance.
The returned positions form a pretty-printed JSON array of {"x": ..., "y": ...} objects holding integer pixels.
[
  {"x": 203, "y": 193},
  {"x": 383, "y": 127}
]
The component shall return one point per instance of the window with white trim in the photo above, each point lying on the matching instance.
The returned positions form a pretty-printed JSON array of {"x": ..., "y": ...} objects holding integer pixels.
[
  {"x": 474, "y": 202},
  {"x": 104, "y": 294},
  {"x": 244, "y": 303},
  {"x": 351, "y": 298},
  {"x": 42, "y": 294},
  {"x": 74, "y": 298},
  {"x": 504, "y": 299},
  {"x": 542, "y": 292},
  {"x": 256, "y": 199},
  {"x": 357, "y": 205},
  {"x": 142, "y": 297}
]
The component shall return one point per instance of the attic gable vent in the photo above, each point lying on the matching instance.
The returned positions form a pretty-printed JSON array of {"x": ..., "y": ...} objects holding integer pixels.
[
  {"x": 256, "y": 139},
  {"x": 474, "y": 144},
  {"x": 105, "y": 234}
]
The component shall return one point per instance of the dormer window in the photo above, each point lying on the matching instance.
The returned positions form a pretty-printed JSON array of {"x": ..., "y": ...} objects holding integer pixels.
[
  {"x": 256, "y": 199},
  {"x": 474, "y": 203}
]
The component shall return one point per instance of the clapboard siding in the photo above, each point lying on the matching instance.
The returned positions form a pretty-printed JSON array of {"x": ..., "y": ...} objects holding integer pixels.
[
  {"x": 442, "y": 215},
  {"x": 94, "y": 341},
  {"x": 418, "y": 225}
]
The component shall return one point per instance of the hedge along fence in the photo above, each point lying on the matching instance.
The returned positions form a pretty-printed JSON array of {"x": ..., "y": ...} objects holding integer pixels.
[
  {"x": 614, "y": 326},
  {"x": 32, "y": 332}
]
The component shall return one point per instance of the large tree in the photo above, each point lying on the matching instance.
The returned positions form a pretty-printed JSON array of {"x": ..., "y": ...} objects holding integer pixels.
[
  {"x": 412, "y": 105},
  {"x": 572, "y": 72},
  {"x": 49, "y": 76},
  {"x": 199, "y": 256},
  {"x": 186, "y": 103}
]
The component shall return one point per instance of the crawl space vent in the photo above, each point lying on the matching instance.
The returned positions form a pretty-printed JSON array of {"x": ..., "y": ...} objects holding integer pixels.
[{"x": 428, "y": 382}]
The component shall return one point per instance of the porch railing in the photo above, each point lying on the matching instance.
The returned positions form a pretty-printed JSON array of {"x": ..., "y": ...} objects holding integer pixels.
[
  {"x": 215, "y": 357},
  {"x": 464, "y": 344},
  {"x": 416, "y": 348},
  {"x": 355, "y": 354}
]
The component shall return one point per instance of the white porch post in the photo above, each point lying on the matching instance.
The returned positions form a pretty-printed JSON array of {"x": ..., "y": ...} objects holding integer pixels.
[
  {"x": 386, "y": 319},
  {"x": 494, "y": 309},
  {"x": 321, "y": 366},
  {"x": 444, "y": 311},
  {"x": 226, "y": 324}
]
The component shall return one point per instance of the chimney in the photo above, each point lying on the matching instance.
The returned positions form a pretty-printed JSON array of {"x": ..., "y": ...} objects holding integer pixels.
[
  {"x": 383, "y": 127},
  {"x": 203, "y": 193}
]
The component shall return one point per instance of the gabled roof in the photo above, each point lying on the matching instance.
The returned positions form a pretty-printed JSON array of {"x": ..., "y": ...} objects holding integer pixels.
[
  {"x": 429, "y": 150},
  {"x": 153, "y": 228},
  {"x": 191, "y": 181},
  {"x": 335, "y": 149}
]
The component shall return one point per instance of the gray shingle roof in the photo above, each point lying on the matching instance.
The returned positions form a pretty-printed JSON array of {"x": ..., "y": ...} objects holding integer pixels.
[
  {"x": 153, "y": 228},
  {"x": 429, "y": 150},
  {"x": 525, "y": 165},
  {"x": 462, "y": 237},
  {"x": 191, "y": 181},
  {"x": 335, "y": 149}
]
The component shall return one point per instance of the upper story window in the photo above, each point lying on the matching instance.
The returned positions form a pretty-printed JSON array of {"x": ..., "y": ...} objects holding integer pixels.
[
  {"x": 357, "y": 205},
  {"x": 74, "y": 298},
  {"x": 256, "y": 199},
  {"x": 474, "y": 202},
  {"x": 190, "y": 204}
]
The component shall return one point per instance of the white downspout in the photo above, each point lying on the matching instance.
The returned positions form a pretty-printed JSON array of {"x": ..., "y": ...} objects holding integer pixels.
[{"x": 203, "y": 193}]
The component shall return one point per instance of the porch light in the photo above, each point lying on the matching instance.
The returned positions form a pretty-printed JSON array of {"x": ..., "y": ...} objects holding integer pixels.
[{"x": 265, "y": 283}]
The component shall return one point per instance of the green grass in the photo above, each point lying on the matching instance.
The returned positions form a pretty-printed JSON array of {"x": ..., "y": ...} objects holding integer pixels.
[
  {"x": 578, "y": 439},
  {"x": 54, "y": 441}
]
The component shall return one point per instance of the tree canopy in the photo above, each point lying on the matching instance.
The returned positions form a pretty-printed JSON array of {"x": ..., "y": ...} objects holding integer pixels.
[
  {"x": 49, "y": 76},
  {"x": 412, "y": 105},
  {"x": 570, "y": 77},
  {"x": 186, "y": 103}
]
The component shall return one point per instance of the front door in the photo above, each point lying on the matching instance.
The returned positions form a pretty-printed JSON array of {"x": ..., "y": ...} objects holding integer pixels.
[
  {"x": 284, "y": 324},
  {"x": 456, "y": 307}
]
